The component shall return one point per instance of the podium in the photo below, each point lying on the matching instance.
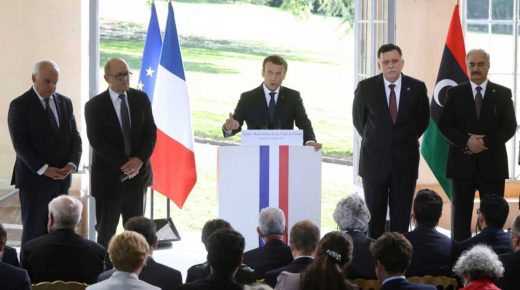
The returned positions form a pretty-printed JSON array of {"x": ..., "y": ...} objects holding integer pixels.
[{"x": 253, "y": 177}]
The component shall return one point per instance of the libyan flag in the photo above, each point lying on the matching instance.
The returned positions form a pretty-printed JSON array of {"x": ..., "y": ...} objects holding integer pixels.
[{"x": 452, "y": 71}]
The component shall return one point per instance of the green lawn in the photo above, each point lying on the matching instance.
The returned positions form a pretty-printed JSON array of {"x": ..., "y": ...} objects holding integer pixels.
[{"x": 223, "y": 57}]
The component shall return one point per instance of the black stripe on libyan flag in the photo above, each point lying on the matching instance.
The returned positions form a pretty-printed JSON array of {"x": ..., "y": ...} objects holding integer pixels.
[{"x": 450, "y": 74}]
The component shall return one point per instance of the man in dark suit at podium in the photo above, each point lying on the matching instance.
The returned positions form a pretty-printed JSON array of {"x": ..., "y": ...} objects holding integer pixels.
[
  {"x": 390, "y": 113},
  {"x": 47, "y": 144},
  {"x": 271, "y": 106}
]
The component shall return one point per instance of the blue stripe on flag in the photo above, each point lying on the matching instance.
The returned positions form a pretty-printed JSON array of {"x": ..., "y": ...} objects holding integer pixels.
[
  {"x": 264, "y": 177},
  {"x": 151, "y": 55},
  {"x": 171, "y": 58}
]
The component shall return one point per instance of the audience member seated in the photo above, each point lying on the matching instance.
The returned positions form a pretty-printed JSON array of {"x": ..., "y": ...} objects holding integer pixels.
[
  {"x": 511, "y": 261},
  {"x": 62, "y": 254},
  {"x": 352, "y": 217},
  {"x": 303, "y": 238},
  {"x": 10, "y": 256},
  {"x": 491, "y": 218},
  {"x": 431, "y": 249},
  {"x": 128, "y": 252},
  {"x": 275, "y": 253},
  {"x": 392, "y": 253},
  {"x": 225, "y": 252},
  {"x": 244, "y": 275},
  {"x": 334, "y": 253},
  {"x": 152, "y": 273},
  {"x": 479, "y": 267},
  {"x": 11, "y": 277}
]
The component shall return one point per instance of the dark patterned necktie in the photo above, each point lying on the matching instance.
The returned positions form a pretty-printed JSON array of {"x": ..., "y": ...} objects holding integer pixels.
[
  {"x": 272, "y": 106},
  {"x": 50, "y": 115},
  {"x": 478, "y": 101},
  {"x": 125, "y": 124},
  {"x": 392, "y": 103}
]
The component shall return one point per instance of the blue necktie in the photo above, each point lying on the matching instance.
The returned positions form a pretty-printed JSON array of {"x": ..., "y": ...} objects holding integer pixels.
[
  {"x": 272, "y": 106},
  {"x": 478, "y": 101}
]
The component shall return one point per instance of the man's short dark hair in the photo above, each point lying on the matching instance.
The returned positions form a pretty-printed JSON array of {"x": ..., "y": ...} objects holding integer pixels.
[
  {"x": 211, "y": 226},
  {"x": 427, "y": 208},
  {"x": 388, "y": 47},
  {"x": 225, "y": 249},
  {"x": 393, "y": 251},
  {"x": 3, "y": 235},
  {"x": 275, "y": 59},
  {"x": 144, "y": 226},
  {"x": 495, "y": 210},
  {"x": 304, "y": 236}
]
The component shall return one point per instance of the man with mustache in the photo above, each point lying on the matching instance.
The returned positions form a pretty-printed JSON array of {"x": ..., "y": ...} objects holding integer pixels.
[
  {"x": 477, "y": 121},
  {"x": 390, "y": 112}
]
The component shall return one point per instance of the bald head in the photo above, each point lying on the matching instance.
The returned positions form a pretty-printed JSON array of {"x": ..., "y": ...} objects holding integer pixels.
[
  {"x": 45, "y": 77},
  {"x": 117, "y": 75},
  {"x": 64, "y": 212}
]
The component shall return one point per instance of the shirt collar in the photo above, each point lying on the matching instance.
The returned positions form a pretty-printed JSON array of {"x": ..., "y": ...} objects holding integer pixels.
[
  {"x": 267, "y": 90},
  {"x": 391, "y": 278},
  {"x": 397, "y": 83},
  {"x": 482, "y": 85},
  {"x": 42, "y": 98},
  {"x": 113, "y": 95}
]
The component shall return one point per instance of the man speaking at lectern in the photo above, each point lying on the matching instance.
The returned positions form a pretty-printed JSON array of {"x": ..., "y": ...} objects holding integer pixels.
[{"x": 271, "y": 106}]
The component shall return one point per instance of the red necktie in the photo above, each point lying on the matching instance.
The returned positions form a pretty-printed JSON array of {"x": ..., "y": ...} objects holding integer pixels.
[{"x": 392, "y": 103}]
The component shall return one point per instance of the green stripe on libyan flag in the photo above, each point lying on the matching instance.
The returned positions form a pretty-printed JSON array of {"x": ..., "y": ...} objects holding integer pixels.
[{"x": 434, "y": 149}]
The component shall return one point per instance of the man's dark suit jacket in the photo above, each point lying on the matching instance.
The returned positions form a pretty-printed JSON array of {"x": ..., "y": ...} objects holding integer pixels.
[
  {"x": 511, "y": 278},
  {"x": 497, "y": 239},
  {"x": 10, "y": 256},
  {"x": 106, "y": 138},
  {"x": 63, "y": 255},
  {"x": 252, "y": 108},
  {"x": 431, "y": 252},
  {"x": 497, "y": 122},
  {"x": 13, "y": 278},
  {"x": 386, "y": 147},
  {"x": 37, "y": 144},
  {"x": 244, "y": 275},
  {"x": 154, "y": 273},
  {"x": 274, "y": 254},
  {"x": 362, "y": 264},
  {"x": 296, "y": 266},
  {"x": 213, "y": 282},
  {"x": 403, "y": 284}
]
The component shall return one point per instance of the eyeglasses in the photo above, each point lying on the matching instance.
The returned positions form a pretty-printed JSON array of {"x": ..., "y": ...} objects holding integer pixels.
[{"x": 121, "y": 75}]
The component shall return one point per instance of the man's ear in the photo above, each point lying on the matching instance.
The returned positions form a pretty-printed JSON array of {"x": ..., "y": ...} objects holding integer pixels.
[
  {"x": 155, "y": 242},
  {"x": 259, "y": 231}
]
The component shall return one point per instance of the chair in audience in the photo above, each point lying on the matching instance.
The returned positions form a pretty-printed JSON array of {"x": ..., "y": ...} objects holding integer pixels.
[
  {"x": 366, "y": 284},
  {"x": 60, "y": 285},
  {"x": 441, "y": 282}
]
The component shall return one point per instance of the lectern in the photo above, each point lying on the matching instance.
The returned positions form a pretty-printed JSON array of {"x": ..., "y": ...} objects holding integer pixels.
[{"x": 252, "y": 177}]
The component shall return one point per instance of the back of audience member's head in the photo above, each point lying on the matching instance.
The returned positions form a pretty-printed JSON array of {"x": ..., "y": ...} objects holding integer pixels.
[
  {"x": 128, "y": 251},
  {"x": 3, "y": 236},
  {"x": 143, "y": 226},
  {"x": 477, "y": 263},
  {"x": 334, "y": 252},
  {"x": 495, "y": 210},
  {"x": 393, "y": 251},
  {"x": 352, "y": 214},
  {"x": 271, "y": 222},
  {"x": 304, "y": 237},
  {"x": 427, "y": 208},
  {"x": 225, "y": 249},
  {"x": 515, "y": 234},
  {"x": 64, "y": 212},
  {"x": 212, "y": 226}
]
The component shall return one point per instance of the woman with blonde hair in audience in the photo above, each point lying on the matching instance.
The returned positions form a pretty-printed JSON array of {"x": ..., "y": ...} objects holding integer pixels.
[
  {"x": 479, "y": 267},
  {"x": 333, "y": 254}
]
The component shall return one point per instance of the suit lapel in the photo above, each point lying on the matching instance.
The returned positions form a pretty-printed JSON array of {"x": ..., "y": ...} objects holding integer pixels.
[
  {"x": 261, "y": 103},
  {"x": 405, "y": 95}
]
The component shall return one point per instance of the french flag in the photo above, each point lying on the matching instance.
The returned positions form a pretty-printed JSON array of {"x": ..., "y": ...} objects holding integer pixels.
[{"x": 173, "y": 160}]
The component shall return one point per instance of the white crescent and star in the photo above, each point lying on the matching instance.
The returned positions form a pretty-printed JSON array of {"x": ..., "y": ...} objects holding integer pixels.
[{"x": 441, "y": 85}]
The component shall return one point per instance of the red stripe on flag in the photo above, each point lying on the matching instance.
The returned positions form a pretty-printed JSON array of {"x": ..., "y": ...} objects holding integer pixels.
[
  {"x": 174, "y": 169},
  {"x": 283, "y": 183},
  {"x": 453, "y": 40}
]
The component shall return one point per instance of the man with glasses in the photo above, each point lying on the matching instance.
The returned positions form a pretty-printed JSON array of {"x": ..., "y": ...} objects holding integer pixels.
[
  {"x": 491, "y": 217},
  {"x": 511, "y": 261},
  {"x": 477, "y": 121},
  {"x": 122, "y": 133}
]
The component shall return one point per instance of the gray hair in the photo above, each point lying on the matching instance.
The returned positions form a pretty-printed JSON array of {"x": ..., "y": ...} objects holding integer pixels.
[
  {"x": 515, "y": 226},
  {"x": 486, "y": 55},
  {"x": 39, "y": 65},
  {"x": 65, "y": 211},
  {"x": 479, "y": 262},
  {"x": 352, "y": 213},
  {"x": 271, "y": 222}
]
